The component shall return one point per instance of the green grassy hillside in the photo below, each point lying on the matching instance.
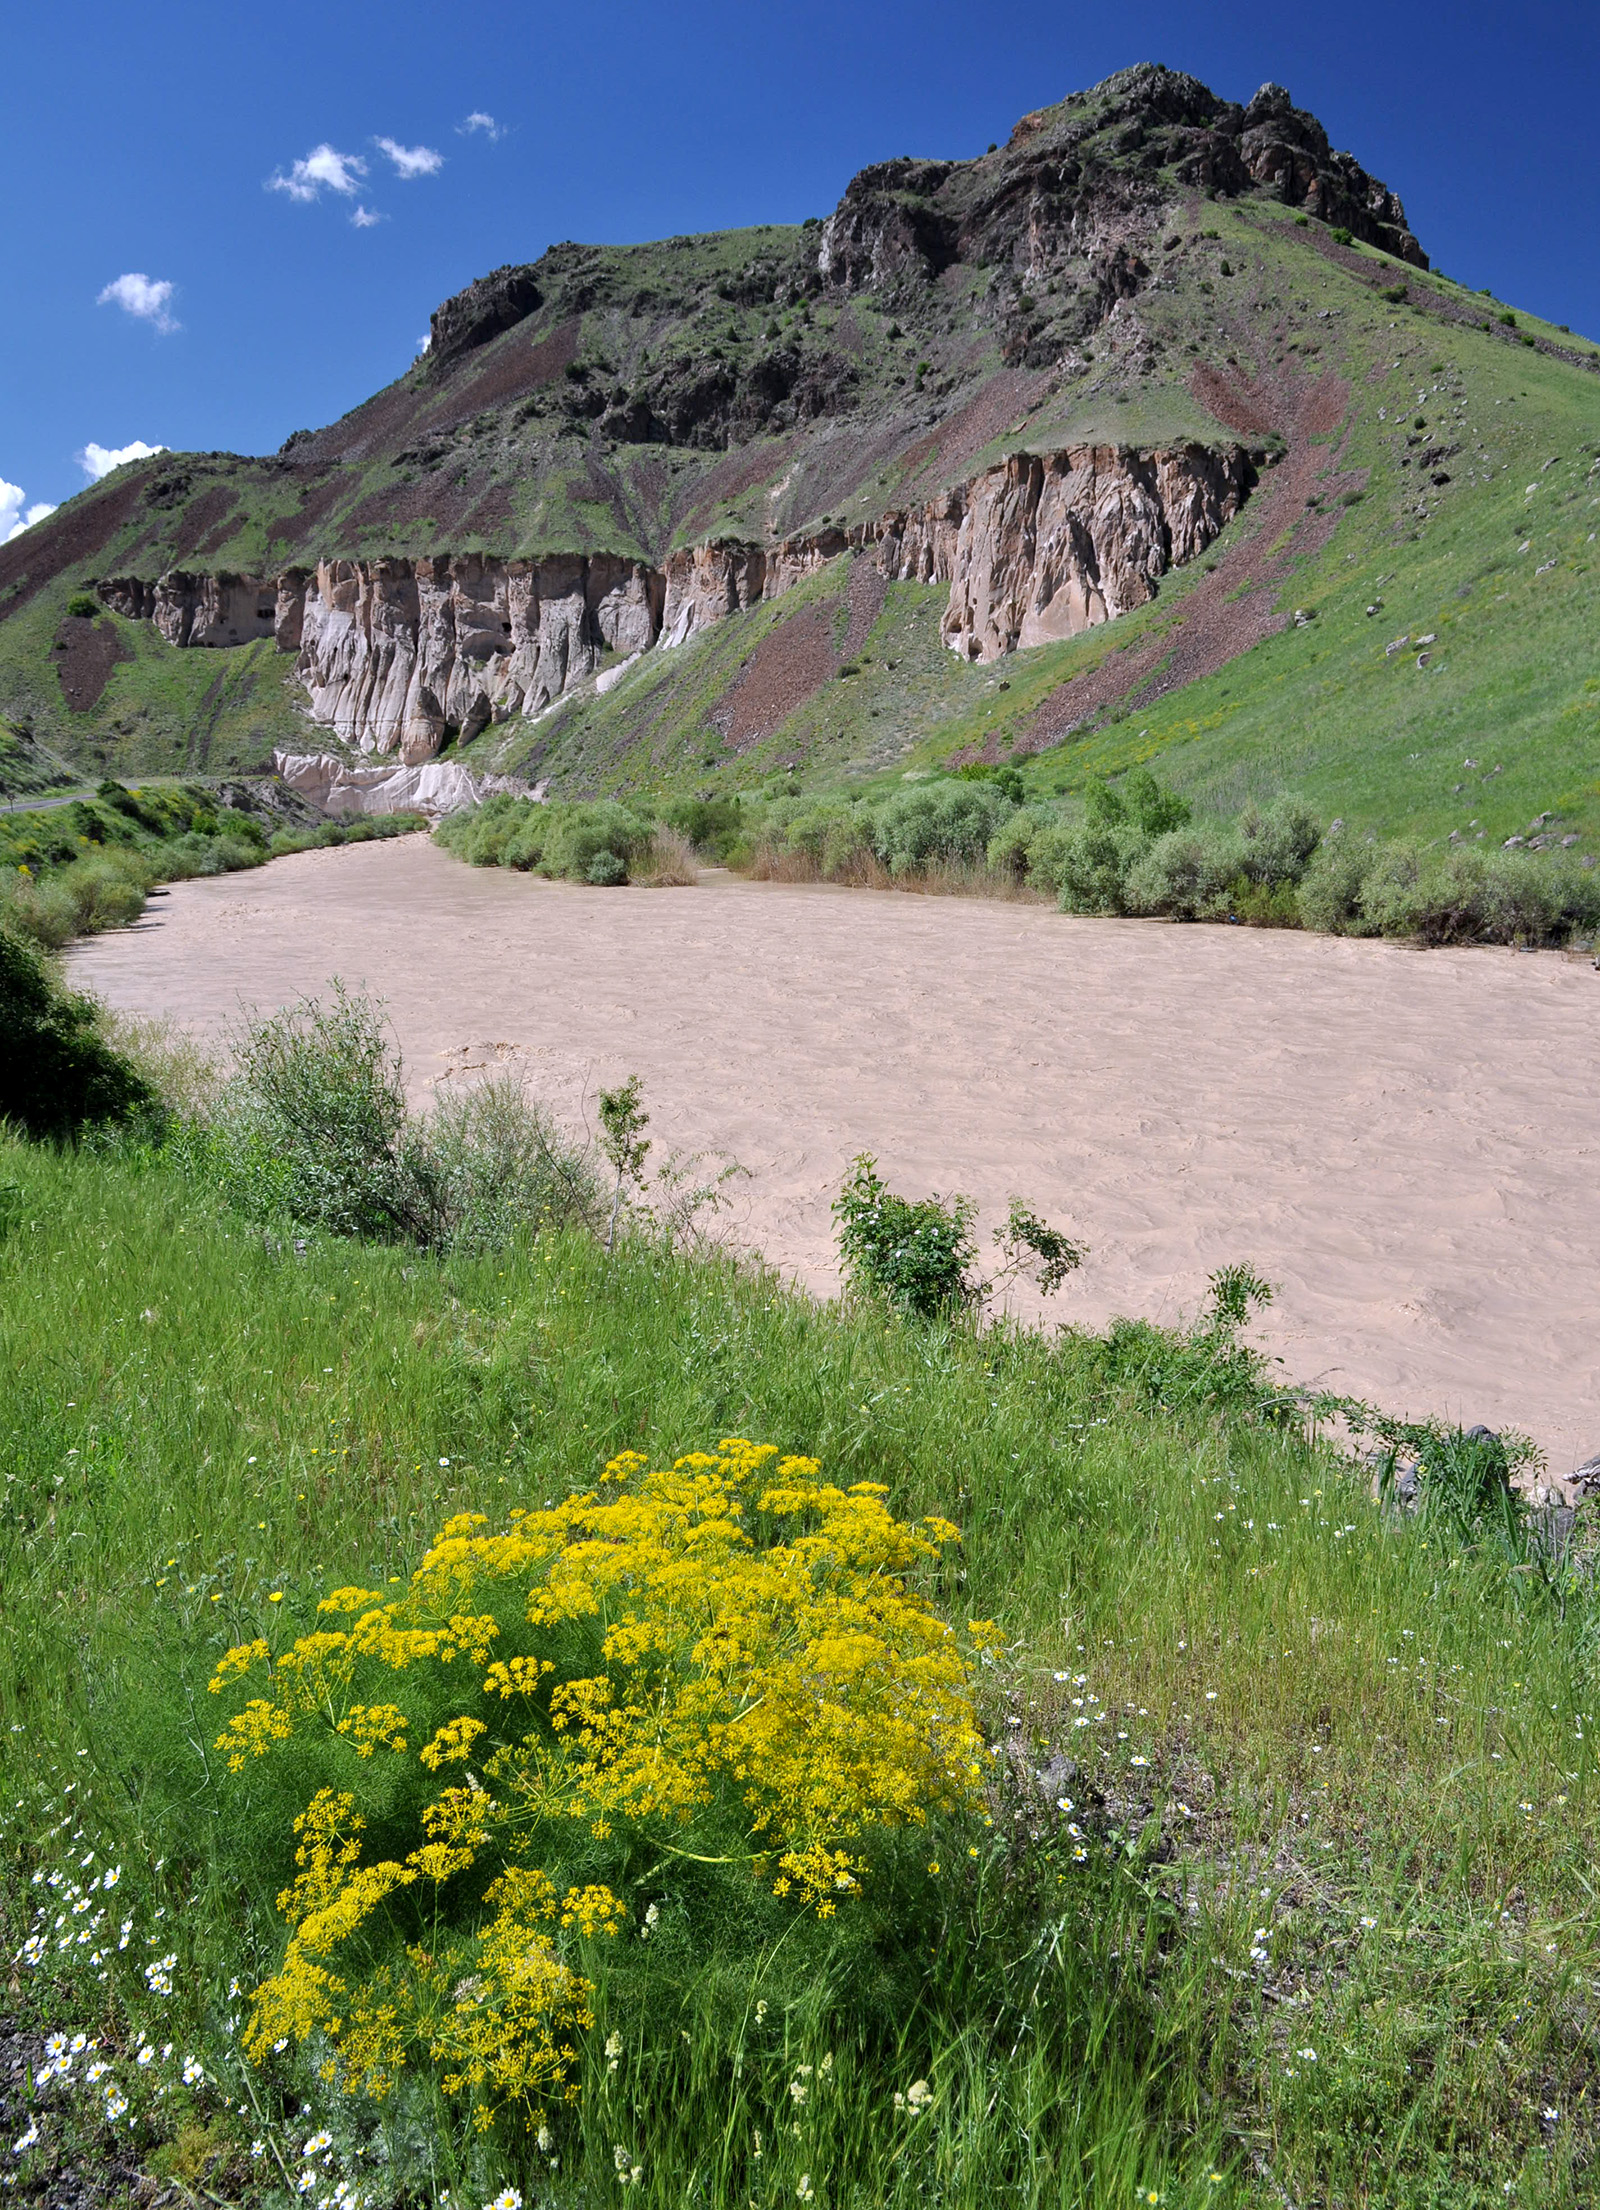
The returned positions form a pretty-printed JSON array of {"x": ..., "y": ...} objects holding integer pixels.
[{"x": 1495, "y": 568}]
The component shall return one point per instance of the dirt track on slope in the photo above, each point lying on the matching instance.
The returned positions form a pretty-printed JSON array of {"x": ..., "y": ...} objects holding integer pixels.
[{"x": 1404, "y": 1142}]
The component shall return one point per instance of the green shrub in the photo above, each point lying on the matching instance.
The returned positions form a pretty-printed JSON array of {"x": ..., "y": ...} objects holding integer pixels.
[
  {"x": 1279, "y": 841},
  {"x": 916, "y": 1253},
  {"x": 41, "y": 909},
  {"x": 1010, "y": 850},
  {"x": 951, "y": 821},
  {"x": 1186, "y": 873},
  {"x": 58, "y": 1075},
  {"x": 1092, "y": 860},
  {"x": 1005, "y": 777},
  {"x": 1521, "y": 900},
  {"x": 712, "y": 825},
  {"x": 1330, "y": 892},
  {"x": 1204, "y": 1366},
  {"x": 1048, "y": 845},
  {"x": 83, "y": 606},
  {"x": 560, "y": 839},
  {"x": 99, "y": 891},
  {"x": 314, "y": 1128}
]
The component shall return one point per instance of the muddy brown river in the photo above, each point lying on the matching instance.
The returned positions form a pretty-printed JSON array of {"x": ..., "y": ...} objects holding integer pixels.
[{"x": 1404, "y": 1142}]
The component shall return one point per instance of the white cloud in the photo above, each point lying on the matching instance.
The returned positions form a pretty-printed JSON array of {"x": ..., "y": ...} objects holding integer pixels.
[
  {"x": 143, "y": 296},
  {"x": 411, "y": 161},
  {"x": 477, "y": 120},
  {"x": 322, "y": 167},
  {"x": 99, "y": 460},
  {"x": 365, "y": 217},
  {"x": 13, "y": 520}
]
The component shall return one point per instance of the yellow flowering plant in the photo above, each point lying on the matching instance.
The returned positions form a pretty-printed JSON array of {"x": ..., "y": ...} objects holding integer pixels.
[{"x": 719, "y": 1664}]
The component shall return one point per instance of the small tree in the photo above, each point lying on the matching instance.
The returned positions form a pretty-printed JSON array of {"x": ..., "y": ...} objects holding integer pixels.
[
  {"x": 623, "y": 1121},
  {"x": 920, "y": 1255},
  {"x": 916, "y": 1252}
]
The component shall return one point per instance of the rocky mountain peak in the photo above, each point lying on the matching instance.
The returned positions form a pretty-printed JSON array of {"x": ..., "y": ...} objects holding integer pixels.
[
  {"x": 489, "y": 305},
  {"x": 1101, "y": 156}
]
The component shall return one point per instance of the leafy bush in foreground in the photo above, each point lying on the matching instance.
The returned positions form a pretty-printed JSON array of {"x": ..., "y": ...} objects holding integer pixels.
[
  {"x": 58, "y": 1075},
  {"x": 717, "y": 1665},
  {"x": 315, "y": 1128},
  {"x": 918, "y": 1254}
]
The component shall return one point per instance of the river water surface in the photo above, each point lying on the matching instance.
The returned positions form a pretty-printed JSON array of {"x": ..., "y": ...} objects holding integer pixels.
[{"x": 1404, "y": 1142}]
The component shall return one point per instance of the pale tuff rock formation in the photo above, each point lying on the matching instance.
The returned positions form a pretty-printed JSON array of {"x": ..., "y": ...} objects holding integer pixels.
[
  {"x": 432, "y": 787},
  {"x": 1042, "y": 548},
  {"x": 398, "y": 655},
  {"x": 200, "y": 609}
]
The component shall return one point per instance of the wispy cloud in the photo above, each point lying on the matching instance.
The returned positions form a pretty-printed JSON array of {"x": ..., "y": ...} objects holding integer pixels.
[
  {"x": 142, "y": 296},
  {"x": 477, "y": 120},
  {"x": 323, "y": 169},
  {"x": 365, "y": 217},
  {"x": 99, "y": 460},
  {"x": 411, "y": 161},
  {"x": 13, "y": 519}
]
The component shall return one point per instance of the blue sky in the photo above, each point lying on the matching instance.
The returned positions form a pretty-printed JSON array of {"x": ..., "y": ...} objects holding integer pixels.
[{"x": 169, "y": 276}]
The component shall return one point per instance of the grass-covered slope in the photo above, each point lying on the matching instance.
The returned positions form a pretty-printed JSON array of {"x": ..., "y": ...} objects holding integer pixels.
[
  {"x": 1314, "y": 1926},
  {"x": 1467, "y": 699},
  {"x": 112, "y": 695}
]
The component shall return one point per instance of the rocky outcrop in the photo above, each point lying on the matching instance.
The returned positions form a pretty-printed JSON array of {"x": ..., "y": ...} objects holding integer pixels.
[
  {"x": 195, "y": 609},
  {"x": 397, "y": 656},
  {"x": 1074, "y": 181},
  {"x": 1285, "y": 150},
  {"x": 1044, "y": 547},
  {"x": 432, "y": 787},
  {"x": 489, "y": 305}
]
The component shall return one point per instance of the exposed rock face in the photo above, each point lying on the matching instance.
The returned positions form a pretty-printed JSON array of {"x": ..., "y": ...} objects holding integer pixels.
[
  {"x": 199, "y": 609},
  {"x": 1042, "y": 548},
  {"x": 398, "y": 655},
  {"x": 433, "y": 787},
  {"x": 489, "y": 305},
  {"x": 1048, "y": 196},
  {"x": 1286, "y": 149}
]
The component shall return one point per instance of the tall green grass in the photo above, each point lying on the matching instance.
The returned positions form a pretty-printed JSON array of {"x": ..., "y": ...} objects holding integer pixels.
[{"x": 1333, "y": 1773}]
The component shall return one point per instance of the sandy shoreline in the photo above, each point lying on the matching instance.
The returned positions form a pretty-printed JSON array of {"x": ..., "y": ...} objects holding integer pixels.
[{"x": 1404, "y": 1142}]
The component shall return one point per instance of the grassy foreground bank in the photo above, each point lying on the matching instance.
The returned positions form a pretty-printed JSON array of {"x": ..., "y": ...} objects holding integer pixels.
[{"x": 1330, "y": 1937}]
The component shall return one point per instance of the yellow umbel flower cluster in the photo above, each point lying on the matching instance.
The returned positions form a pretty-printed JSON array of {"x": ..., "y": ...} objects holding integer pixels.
[{"x": 755, "y": 1684}]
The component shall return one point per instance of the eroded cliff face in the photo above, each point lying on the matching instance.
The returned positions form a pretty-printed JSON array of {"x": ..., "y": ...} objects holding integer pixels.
[{"x": 396, "y": 655}]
